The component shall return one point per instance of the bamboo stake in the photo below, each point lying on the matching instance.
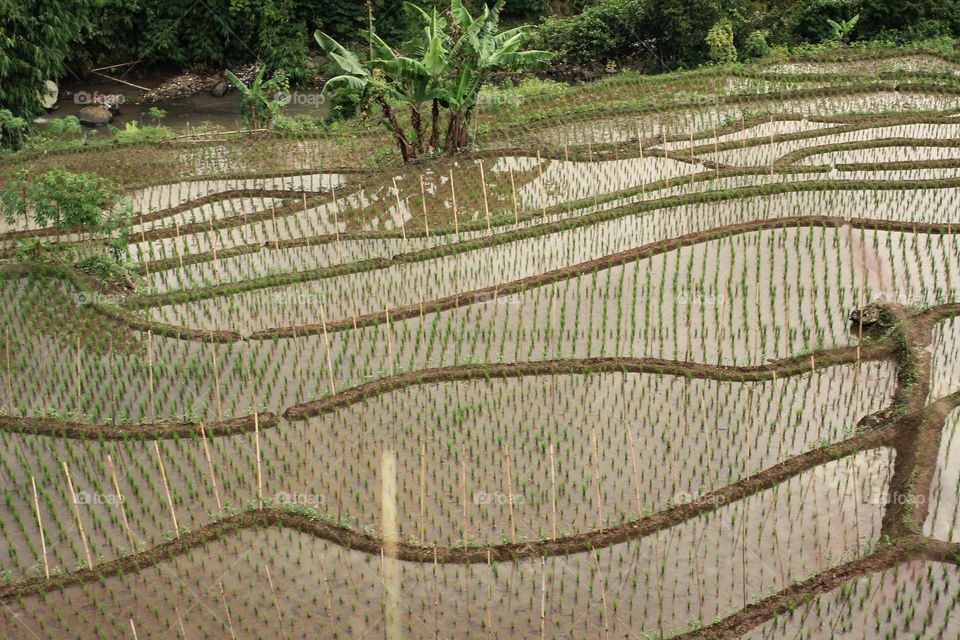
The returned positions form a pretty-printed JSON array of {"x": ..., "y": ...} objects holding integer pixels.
[
  {"x": 76, "y": 514},
  {"x": 216, "y": 378},
  {"x": 463, "y": 490},
  {"x": 423, "y": 491},
  {"x": 9, "y": 376},
  {"x": 256, "y": 440},
  {"x": 453, "y": 196},
  {"x": 213, "y": 478},
  {"x": 553, "y": 494},
  {"x": 77, "y": 378},
  {"x": 391, "y": 538},
  {"x": 123, "y": 512},
  {"x": 543, "y": 598},
  {"x": 43, "y": 542},
  {"x": 146, "y": 262},
  {"x": 396, "y": 193},
  {"x": 486, "y": 206},
  {"x": 223, "y": 598},
  {"x": 276, "y": 605},
  {"x": 183, "y": 632},
  {"x": 543, "y": 185},
  {"x": 423, "y": 203},
  {"x": 166, "y": 488},
  {"x": 336, "y": 218},
  {"x": 179, "y": 253},
  {"x": 643, "y": 173},
  {"x": 133, "y": 628},
  {"x": 596, "y": 477},
  {"x": 386, "y": 311},
  {"x": 326, "y": 342},
  {"x": 153, "y": 403},
  {"x": 276, "y": 228},
  {"x": 513, "y": 524},
  {"x": 513, "y": 190},
  {"x": 603, "y": 597}
]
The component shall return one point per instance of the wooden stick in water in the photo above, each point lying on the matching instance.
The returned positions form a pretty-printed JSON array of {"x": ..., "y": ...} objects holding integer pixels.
[
  {"x": 43, "y": 542},
  {"x": 166, "y": 488},
  {"x": 123, "y": 512},
  {"x": 76, "y": 514}
]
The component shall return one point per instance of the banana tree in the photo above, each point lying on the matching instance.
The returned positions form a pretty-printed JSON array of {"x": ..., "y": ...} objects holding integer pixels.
[
  {"x": 478, "y": 51},
  {"x": 447, "y": 65},
  {"x": 263, "y": 100}
]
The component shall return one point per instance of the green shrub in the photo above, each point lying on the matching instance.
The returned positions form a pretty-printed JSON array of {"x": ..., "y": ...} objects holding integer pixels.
[
  {"x": 606, "y": 30},
  {"x": 67, "y": 125},
  {"x": 755, "y": 45},
  {"x": 720, "y": 42},
  {"x": 13, "y": 130},
  {"x": 133, "y": 133}
]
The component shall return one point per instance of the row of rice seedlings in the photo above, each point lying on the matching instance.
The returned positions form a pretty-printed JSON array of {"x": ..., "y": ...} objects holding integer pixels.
[
  {"x": 488, "y": 266},
  {"x": 898, "y": 62},
  {"x": 917, "y": 599},
  {"x": 706, "y": 303},
  {"x": 918, "y": 153},
  {"x": 771, "y": 150},
  {"x": 224, "y": 268},
  {"x": 943, "y": 518},
  {"x": 166, "y": 196},
  {"x": 703, "y": 113},
  {"x": 512, "y": 459},
  {"x": 945, "y": 370},
  {"x": 663, "y": 584},
  {"x": 643, "y": 302}
]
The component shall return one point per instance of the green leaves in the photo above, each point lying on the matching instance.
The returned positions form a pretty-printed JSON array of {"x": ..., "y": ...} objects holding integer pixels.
[{"x": 447, "y": 64}]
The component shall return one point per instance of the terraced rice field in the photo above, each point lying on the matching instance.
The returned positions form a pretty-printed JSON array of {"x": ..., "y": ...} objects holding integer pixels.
[{"x": 596, "y": 380}]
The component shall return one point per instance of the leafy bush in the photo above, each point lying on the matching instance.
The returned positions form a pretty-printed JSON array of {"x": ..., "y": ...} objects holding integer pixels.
[
  {"x": 133, "y": 133},
  {"x": 720, "y": 43},
  {"x": 58, "y": 198},
  {"x": 681, "y": 26},
  {"x": 606, "y": 30},
  {"x": 67, "y": 125},
  {"x": 13, "y": 130},
  {"x": 906, "y": 20},
  {"x": 299, "y": 124},
  {"x": 755, "y": 45},
  {"x": 262, "y": 101}
]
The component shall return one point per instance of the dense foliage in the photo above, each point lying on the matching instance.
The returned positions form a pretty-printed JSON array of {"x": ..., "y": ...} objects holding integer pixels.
[
  {"x": 449, "y": 63},
  {"x": 674, "y": 33},
  {"x": 36, "y": 37},
  {"x": 53, "y": 39}
]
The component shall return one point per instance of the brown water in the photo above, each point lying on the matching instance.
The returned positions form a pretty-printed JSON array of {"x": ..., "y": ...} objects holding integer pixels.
[
  {"x": 182, "y": 113},
  {"x": 710, "y": 567}
]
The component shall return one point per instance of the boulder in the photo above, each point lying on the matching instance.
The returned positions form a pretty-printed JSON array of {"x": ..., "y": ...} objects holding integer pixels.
[
  {"x": 869, "y": 315},
  {"x": 220, "y": 89},
  {"x": 95, "y": 116},
  {"x": 49, "y": 95}
]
